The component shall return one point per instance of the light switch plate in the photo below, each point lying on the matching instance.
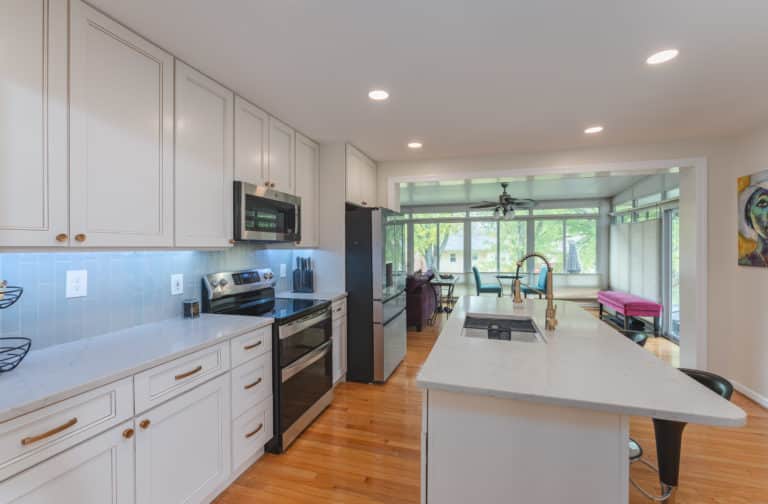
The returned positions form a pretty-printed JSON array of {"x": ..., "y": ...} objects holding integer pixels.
[
  {"x": 177, "y": 284},
  {"x": 282, "y": 271},
  {"x": 77, "y": 283}
]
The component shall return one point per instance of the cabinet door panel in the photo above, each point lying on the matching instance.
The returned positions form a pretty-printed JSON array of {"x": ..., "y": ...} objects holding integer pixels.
[
  {"x": 121, "y": 134},
  {"x": 183, "y": 455},
  {"x": 251, "y": 139},
  {"x": 33, "y": 123},
  {"x": 281, "y": 156},
  {"x": 204, "y": 169},
  {"x": 98, "y": 470},
  {"x": 307, "y": 180},
  {"x": 353, "y": 176}
]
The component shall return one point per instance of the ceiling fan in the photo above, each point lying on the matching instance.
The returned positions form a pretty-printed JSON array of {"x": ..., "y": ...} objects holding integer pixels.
[{"x": 506, "y": 206}]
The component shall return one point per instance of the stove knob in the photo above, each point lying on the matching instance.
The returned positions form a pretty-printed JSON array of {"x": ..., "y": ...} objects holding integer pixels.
[{"x": 223, "y": 283}]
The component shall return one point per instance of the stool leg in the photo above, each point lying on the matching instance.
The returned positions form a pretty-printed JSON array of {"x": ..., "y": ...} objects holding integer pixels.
[
  {"x": 655, "y": 326},
  {"x": 601, "y": 311},
  {"x": 669, "y": 438}
]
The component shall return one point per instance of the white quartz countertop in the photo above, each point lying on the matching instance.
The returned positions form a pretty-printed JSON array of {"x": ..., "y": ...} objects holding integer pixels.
[
  {"x": 584, "y": 363},
  {"x": 56, "y": 373},
  {"x": 328, "y": 295}
]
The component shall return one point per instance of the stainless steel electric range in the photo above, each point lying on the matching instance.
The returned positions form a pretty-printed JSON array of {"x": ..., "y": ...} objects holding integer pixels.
[{"x": 302, "y": 356}]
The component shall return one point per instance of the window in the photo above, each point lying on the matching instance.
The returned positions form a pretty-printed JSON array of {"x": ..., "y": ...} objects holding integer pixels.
[
  {"x": 549, "y": 241},
  {"x": 647, "y": 200},
  {"x": 424, "y": 246},
  {"x": 439, "y": 215},
  {"x": 512, "y": 243},
  {"x": 581, "y": 242},
  {"x": 451, "y": 247},
  {"x": 484, "y": 241},
  {"x": 566, "y": 211}
]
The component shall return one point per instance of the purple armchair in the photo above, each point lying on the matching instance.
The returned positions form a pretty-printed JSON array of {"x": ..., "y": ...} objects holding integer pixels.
[{"x": 420, "y": 299}]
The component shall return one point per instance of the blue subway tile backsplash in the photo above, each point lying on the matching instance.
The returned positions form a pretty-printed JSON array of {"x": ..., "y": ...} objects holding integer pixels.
[{"x": 124, "y": 288}]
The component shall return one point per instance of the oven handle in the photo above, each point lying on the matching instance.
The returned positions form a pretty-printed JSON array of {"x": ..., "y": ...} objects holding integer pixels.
[
  {"x": 297, "y": 326},
  {"x": 304, "y": 362}
]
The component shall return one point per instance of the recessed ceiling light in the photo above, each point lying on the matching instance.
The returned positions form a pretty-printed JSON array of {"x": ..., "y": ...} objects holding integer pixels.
[
  {"x": 415, "y": 145},
  {"x": 662, "y": 56},
  {"x": 593, "y": 129},
  {"x": 378, "y": 95}
]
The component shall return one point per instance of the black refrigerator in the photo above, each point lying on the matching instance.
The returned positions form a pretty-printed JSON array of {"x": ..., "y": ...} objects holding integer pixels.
[{"x": 376, "y": 271}]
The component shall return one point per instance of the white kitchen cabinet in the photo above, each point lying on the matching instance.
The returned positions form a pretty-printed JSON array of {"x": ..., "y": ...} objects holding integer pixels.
[
  {"x": 33, "y": 123},
  {"x": 251, "y": 143},
  {"x": 204, "y": 160},
  {"x": 307, "y": 183},
  {"x": 183, "y": 447},
  {"x": 339, "y": 338},
  {"x": 281, "y": 157},
  {"x": 121, "y": 135},
  {"x": 98, "y": 470},
  {"x": 361, "y": 178}
]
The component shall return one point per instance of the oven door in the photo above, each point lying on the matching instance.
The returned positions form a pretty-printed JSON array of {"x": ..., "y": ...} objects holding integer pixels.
[
  {"x": 306, "y": 390},
  {"x": 264, "y": 215}
]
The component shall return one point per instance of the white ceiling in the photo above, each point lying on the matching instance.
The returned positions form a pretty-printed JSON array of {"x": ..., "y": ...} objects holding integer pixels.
[
  {"x": 477, "y": 77},
  {"x": 539, "y": 188}
]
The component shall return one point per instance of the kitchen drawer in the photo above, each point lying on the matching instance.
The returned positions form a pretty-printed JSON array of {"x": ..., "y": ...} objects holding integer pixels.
[
  {"x": 251, "y": 384},
  {"x": 339, "y": 309},
  {"x": 251, "y": 345},
  {"x": 36, "y": 436},
  {"x": 250, "y": 432},
  {"x": 166, "y": 381}
]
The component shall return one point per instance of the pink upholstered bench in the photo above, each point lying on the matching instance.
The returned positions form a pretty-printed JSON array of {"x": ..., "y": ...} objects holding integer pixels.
[{"x": 629, "y": 306}]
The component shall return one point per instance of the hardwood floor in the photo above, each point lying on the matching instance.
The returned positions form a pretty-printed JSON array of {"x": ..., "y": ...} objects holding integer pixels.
[{"x": 365, "y": 449}]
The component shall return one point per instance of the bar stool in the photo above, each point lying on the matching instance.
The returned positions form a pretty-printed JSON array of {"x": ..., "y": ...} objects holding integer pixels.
[{"x": 669, "y": 437}]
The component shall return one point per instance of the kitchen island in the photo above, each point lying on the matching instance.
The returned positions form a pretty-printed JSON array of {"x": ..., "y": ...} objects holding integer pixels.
[{"x": 545, "y": 421}]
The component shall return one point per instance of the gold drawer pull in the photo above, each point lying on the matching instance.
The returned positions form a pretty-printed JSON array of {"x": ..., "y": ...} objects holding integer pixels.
[
  {"x": 62, "y": 237},
  {"x": 251, "y": 385},
  {"x": 251, "y": 434},
  {"x": 34, "y": 439},
  {"x": 249, "y": 347},
  {"x": 188, "y": 373},
  {"x": 128, "y": 433},
  {"x": 144, "y": 424},
  {"x": 80, "y": 237}
]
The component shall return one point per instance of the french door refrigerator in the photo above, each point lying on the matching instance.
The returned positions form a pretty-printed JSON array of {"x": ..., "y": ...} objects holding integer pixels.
[{"x": 375, "y": 275}]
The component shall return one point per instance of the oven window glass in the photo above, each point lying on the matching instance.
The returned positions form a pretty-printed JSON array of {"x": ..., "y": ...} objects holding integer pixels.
[
  {"x": 303, "y": 389},
  {"x": 295, "y": 346},
  {"x": 269, "y": 216}
]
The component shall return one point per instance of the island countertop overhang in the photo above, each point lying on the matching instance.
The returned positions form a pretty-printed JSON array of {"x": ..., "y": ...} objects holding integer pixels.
[{"x": 584, "y": 364}]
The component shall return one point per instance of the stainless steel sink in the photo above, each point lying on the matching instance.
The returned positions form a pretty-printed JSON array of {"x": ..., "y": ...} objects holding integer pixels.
[{"x": 502, "y": 328}]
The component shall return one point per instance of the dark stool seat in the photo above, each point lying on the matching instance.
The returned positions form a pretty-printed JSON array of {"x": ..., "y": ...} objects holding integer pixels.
[{"x": 669, "y": 437}]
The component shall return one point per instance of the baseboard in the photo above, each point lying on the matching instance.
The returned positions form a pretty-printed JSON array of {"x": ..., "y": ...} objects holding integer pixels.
[{"x": 756, "y": 397}]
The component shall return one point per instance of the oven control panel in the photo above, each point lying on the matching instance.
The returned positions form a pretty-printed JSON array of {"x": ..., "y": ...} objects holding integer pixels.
[{"x": 223, "y": 284}]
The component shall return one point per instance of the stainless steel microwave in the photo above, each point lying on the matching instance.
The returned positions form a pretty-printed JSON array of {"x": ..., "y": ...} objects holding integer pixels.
[{"x": 264, "y": 215}]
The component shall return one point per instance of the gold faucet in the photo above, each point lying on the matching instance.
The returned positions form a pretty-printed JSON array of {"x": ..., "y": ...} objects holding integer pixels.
[{"x": 551, "y": 313}]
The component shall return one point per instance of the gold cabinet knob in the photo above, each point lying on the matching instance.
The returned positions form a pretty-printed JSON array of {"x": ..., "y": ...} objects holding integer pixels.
[
  {"x": 144, "y": 424},
  {"x": 272, "y": 185},
  {"x": 365, "y": 203},
  {"x": 128, "y": 433},
  {"x": 80, "y": 237},
  {"x": 61, "y": 237},
  {"x": 232, "y": 242}
]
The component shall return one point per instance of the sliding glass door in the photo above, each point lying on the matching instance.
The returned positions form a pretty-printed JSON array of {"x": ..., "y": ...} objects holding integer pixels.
[{"x": 671, "y": 273}]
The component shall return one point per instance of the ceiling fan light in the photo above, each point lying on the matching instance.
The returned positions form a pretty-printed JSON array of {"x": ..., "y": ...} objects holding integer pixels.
[{"x": 496, "y": 213}]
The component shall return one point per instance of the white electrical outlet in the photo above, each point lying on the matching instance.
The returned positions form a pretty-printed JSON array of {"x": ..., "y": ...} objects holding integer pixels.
[
  {"x": 177, "y": 284},
  {"x": 77, "y": 283},
  {"x": 283, "y": 271}
]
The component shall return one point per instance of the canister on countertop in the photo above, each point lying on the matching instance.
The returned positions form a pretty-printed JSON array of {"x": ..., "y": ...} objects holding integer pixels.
[{"x": 191, "y": 308}]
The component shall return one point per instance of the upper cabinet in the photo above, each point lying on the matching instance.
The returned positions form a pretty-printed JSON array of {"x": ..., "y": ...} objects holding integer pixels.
[
  {"x": 33, "y": 123},
  {"x": 307, "y": 180},
  {"x": 251, "y": 143},
  {"x": 204, "y": 160},
  {"x": 280, "y": 162},
  {"x": 361, "y": 178},
  {"x": 121, "y": 135}
]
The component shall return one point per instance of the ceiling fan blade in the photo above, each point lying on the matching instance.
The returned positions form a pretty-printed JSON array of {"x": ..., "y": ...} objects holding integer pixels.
[
  {"x": 486, "y": 204},
  {"x": 522, "y": 203}
]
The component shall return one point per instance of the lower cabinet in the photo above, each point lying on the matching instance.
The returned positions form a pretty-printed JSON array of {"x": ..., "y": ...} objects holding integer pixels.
[
  {"x": 183, "y": 446},
  {"x": 339, "y": 338},
  {"x": 96, "y": 471}
]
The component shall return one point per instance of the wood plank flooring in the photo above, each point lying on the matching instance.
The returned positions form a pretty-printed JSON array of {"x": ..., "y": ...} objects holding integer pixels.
[{"x": 365, "y": 449}]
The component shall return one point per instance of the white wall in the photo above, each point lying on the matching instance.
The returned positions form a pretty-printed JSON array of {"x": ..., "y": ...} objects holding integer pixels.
[
  {"x": 738, "y": 318},
  {"x": 737, "y": 322}
]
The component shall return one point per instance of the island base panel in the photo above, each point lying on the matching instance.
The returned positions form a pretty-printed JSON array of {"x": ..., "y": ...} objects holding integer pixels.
[{"x": 486, "y": 449}]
